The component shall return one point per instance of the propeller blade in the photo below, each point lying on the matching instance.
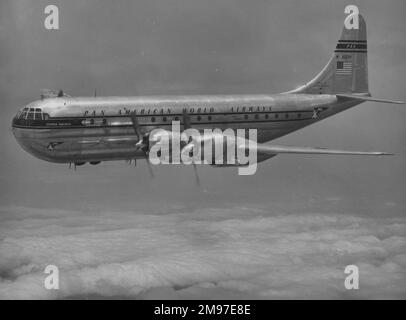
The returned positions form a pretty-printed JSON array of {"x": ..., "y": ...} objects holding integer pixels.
[
  {"x": 186, "y": 119},
  {"x": 187, "y": 125},
  {"x": 135, "y": 124},
  {"x": 196, "y": 174},
  {"x": 151, "y": 172}
]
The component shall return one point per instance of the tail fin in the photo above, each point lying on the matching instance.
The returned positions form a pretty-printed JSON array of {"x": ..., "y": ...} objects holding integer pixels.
[{"x": 347, "y": 70}]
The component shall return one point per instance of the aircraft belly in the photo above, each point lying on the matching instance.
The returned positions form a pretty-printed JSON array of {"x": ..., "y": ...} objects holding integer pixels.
[
  {"x": 77, "y": 145},
  {"x": 115, "y": 143}
]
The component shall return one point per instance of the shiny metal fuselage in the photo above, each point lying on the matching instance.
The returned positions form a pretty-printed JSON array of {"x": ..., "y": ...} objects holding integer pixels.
[{"x": 92, "y": 129}]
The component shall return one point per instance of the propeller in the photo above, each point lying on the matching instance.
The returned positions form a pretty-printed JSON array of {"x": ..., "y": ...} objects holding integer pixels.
[
  {"x": 143, "y": 141},
  {"x": 74, "y": 166},
  {"x": 129, "y": 161},
  {"x": 135, "y": 124},
  {"x": 187, "y": 125}
]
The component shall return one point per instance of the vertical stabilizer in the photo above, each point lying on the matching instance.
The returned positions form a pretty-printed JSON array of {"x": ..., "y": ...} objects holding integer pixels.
[{"x": 347, "y": 70}]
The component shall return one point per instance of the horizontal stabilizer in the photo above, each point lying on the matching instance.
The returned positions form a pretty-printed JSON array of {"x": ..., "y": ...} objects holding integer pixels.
[
  {"x": 365, "y": 98},
  {"x": 274, "y": 149}
]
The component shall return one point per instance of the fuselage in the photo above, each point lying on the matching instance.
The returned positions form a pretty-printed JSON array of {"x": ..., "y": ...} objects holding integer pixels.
[{"x": 93, "y": 129}]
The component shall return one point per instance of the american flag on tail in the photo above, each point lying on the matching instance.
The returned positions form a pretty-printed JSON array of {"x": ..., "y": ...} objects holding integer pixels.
[{"x": 344, "y": 68}]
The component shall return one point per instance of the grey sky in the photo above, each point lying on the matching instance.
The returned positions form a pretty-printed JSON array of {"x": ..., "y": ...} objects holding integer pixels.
[{"x": 205, "y": 47}]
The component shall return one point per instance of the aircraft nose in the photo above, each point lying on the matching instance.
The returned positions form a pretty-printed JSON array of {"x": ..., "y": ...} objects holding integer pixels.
[
  {"x": 14, "y": 129},
  {"x": 27, "y": 141},
  {"x": 36, "y": 144},
  {"x": 22, "y": 138}
]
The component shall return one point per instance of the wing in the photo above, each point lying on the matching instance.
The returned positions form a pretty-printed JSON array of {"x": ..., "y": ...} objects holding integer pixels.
[{"x": 276, "y": 149}]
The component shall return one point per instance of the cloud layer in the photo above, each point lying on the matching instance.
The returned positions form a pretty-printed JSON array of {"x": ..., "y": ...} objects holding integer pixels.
[{"x": 206, "y": 253}]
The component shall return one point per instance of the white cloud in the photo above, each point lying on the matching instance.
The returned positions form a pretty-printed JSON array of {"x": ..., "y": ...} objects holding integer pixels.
[{"x": 207, "y": 253}]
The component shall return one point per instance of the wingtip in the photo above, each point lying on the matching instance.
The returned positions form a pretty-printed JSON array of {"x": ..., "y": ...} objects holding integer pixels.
[{"x": 393, "y": 101}]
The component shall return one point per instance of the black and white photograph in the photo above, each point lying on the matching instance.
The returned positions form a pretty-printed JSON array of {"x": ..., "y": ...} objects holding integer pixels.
[{"x": 202, "y": 150}]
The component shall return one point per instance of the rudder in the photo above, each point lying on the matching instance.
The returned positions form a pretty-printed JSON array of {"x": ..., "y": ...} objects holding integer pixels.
[{"x": 347, "y": 69}]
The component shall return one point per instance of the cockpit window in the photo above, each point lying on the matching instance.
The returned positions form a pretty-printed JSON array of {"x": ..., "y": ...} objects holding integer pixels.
[
  {"x": 38, "y": 114},
  {"x": 32, "y": 114}
]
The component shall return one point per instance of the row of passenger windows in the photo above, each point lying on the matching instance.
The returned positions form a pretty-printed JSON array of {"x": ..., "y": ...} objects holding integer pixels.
[
  {"x": 161, "y": 111},
  {"x": 156, "y": 111},
  {"x": 103, "y": 121},
  {"x": 246, "y": 117}
]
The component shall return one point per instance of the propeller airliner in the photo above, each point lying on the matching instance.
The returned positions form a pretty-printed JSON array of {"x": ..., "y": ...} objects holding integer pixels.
[{"x": 78, "y": 130}]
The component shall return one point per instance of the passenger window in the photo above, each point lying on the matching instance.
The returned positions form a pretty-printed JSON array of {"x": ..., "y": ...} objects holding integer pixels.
[
  {"x": 38, "y": 116},
  {"x": 30, "y": 116},
  {"x": 246, "y": 116},
  {"x": 209, "y": 118},
  {"x": 266, "y": 116},
  {"x": 276, "y": 115},
  {"x": 164, "y": 119},
  {"x": 153, "y": 119},
  {"x": 286, "y": 115}
]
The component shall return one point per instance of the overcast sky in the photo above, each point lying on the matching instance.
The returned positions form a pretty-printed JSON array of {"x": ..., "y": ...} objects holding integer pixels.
[{"x": 150, "y": 47}]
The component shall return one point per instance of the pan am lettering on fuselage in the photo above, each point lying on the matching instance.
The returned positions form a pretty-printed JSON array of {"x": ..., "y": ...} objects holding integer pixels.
[{"x": 63, "y": 129}]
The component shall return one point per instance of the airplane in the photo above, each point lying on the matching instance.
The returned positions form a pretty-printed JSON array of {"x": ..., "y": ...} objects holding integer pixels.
[{"x": 78, "y": 130}]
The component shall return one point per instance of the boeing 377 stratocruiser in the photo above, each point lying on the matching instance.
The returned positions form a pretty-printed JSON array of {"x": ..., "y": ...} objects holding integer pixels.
[{"x": 64, "y": 129}]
